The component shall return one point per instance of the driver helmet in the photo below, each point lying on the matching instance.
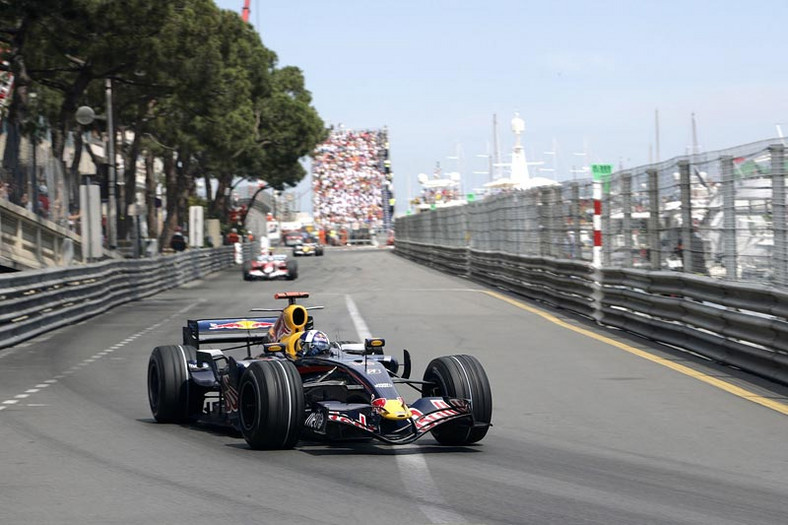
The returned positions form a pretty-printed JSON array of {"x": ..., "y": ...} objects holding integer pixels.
[{"x": 313, "y": 342}]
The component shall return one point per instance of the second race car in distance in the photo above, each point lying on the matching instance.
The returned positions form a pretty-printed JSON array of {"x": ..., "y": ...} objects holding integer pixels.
[
  {"x": 269, "y": 267},
  {"x": 309, "y": 246}
]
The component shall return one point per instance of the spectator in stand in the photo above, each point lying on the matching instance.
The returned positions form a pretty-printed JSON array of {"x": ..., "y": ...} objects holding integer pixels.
[
  {"x": 233, "y": 237},
  {"x": 25, "y": 202},
  {"x": 348, "y": 179},
  {"x": 43, "y": 202}
]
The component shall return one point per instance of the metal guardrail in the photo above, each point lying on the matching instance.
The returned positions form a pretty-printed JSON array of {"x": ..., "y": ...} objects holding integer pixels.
[
  {"x": 34, "y": 302},
  {"x": 717, "y": 218},
  {"x": 737, "y": 324}
]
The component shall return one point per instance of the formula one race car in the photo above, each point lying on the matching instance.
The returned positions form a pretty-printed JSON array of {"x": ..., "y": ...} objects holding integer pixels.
[
  {"x": 293, "y": 383},
  {"x": 270, "y": 267},
  {"x": 308, "y": 247}
]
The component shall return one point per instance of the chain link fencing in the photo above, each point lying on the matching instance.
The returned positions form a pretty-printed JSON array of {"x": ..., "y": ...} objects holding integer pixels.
[{"x": 720, "y": 214}]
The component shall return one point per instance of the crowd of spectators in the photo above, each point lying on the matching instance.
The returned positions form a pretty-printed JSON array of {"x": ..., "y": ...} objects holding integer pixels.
[{"x": 348, "y": 179}]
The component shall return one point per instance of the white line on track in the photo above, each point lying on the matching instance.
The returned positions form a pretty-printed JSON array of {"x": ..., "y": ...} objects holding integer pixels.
[
  {"x": 414, "y": 471},
  {"x": 98, "y": 356}
]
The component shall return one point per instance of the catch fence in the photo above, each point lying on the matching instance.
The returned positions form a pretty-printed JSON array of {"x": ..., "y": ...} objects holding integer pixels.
[{"x": 721, "y": 214}]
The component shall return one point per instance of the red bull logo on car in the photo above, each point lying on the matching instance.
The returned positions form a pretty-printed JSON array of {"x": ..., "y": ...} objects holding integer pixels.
[
  {"x": 280, "y": 329},
  {"x": 242, "y": 324}
]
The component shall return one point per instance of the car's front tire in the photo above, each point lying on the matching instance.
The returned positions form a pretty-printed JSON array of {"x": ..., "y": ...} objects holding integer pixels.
[
  {"x": 463, "y": 377},
  {"x": 168, "y": 383},
  {"x": 271, "y": 404}
]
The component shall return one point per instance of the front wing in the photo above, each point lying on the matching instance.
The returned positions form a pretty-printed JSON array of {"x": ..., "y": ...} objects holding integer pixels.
[
  {"x": 428, "y": 413},
  {"x": 259, "y": 275}
]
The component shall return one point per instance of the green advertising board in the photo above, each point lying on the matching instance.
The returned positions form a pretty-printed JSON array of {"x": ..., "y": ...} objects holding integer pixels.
[{"x": 602, "y": 174}]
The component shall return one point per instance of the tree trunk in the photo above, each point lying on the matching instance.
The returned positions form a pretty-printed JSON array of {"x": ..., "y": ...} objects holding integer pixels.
[
  {"x": 150, "y": 196},
  {"x": 17, "y": 113},
  {"x": 209, "y": 196},
  {"x": 72, "y": 177},
  {"x": 171, "y": 219},
  {"x": 67, "y": 111},
  {"x": 130, "y": 179}
]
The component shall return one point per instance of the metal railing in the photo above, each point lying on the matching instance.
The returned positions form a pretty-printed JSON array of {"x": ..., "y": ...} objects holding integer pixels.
[
  {"x": 721, "y": 293},
  {"x": 34, "y": 302},
  {"x": 721, "y": 214},
  {"x": 29, "y": 242}
]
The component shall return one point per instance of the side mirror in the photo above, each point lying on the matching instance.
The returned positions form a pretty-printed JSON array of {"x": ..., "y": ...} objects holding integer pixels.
[{"x": 374, "y": 346}]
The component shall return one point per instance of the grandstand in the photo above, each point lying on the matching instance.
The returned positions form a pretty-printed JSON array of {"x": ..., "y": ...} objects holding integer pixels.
[{"x": 352, "y": 188}]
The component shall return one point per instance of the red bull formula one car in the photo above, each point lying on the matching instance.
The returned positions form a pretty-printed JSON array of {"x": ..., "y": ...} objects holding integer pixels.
[{"x": 292, "y": 383}]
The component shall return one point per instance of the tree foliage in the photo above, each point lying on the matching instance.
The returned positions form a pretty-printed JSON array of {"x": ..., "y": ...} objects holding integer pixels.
[{"x": 192, "y": 84}]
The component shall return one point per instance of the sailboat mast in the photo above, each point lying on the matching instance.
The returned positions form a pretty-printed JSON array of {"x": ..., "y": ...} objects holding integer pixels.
[
  {"x": 656, "y": 131},
  {"x": 496, "y": 150},
  {"x": 695, "y": 147}
]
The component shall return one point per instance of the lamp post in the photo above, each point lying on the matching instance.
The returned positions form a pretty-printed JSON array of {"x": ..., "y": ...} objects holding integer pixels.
[
  {"x": 85, "y": 116},
  {"x": 112, "y": 211}
]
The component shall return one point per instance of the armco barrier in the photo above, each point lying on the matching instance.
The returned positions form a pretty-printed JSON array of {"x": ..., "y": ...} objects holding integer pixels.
[
  {"x": 34, "y": 302},
  {"x": 737, "y": 324}
]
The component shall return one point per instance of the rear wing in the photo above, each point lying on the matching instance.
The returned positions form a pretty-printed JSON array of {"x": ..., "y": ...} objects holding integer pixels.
[{"x": 244, "y": 330}]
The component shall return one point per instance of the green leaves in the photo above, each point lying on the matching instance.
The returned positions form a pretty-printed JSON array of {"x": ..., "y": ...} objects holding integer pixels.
[{"x": 194, "y": 81}]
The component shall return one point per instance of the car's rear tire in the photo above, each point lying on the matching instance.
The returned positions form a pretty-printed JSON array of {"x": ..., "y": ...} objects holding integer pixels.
[
  {"x": 169, "y": 385},
  {"x": 271, "y": 404},
  {"x": 245, "y": 271},
  {"x": 460, "y": 376}
]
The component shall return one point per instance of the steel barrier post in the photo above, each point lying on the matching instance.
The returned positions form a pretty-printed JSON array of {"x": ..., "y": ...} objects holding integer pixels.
[
  {"x": 544, "y": 223},
  {"x": 574, "y": 212},
  {"x": 607, "y": 231},
  {"x": 655, "y": 253},
  {"x": 556, "y": 228},
  {"x": 626, "y": 222},
  {"x": 686, "y": 215},
  {"x": 780, "y": 255},
  {"x": 728, "y": 218}
]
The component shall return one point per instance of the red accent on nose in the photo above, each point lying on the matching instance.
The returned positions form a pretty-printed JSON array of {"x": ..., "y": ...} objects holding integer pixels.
[{"x": 379, "y": 402}]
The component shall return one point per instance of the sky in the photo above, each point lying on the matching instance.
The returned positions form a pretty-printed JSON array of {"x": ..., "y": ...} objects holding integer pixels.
[{"x": 587, "y": 77}]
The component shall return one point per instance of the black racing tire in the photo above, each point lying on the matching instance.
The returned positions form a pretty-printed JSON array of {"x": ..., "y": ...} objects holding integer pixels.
[
  {"x": 292, "y": 270},
  {"x": 169, "y": 387},
  {"x": 463, "y": 377},
  {"x": 271, "y": 404}
]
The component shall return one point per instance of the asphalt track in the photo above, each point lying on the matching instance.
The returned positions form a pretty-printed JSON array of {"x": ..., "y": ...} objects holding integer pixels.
[{"x": 590, "y": 426}]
